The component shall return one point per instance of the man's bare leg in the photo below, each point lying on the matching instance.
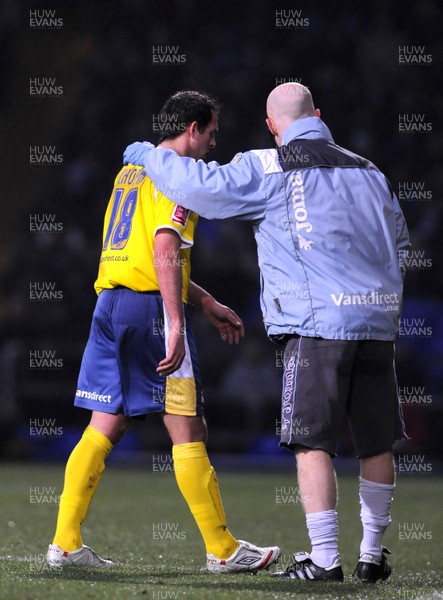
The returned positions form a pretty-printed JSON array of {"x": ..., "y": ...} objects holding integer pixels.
[{"x": 318, "y": 491}]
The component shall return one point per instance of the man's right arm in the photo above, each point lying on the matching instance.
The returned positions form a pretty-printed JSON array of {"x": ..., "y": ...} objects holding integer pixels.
[{"x": 237, "y": 189}]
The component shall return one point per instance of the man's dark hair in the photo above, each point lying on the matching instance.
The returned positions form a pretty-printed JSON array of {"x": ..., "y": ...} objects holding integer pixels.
[{"x": 181, "y": 109}]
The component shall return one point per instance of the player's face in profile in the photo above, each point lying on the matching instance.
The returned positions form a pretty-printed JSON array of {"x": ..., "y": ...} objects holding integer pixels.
[{"x": 205, "y": 141}]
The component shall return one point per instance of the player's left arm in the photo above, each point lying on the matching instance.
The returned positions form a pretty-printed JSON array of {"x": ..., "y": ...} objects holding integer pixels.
[{"x": 228, "y": 323}]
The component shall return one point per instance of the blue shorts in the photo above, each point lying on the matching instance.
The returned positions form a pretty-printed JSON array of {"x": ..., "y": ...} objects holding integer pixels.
[{"x": 127, "y": 340}]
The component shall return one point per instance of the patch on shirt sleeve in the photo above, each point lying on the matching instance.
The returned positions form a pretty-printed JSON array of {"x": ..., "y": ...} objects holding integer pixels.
[
  {"x": 180, "y": 215},
  {"x": 269, "y": 160},
  {"x": 237, "y": 158}
]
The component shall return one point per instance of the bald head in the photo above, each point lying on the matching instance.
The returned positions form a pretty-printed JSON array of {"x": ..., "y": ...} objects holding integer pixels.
[
  {"x": 291, "y": 100},
  {"x": 287, "y": 103}
]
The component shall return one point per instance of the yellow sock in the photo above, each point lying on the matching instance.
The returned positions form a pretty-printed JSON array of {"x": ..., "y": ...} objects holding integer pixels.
[
  {"x": 197, "y": 482},
  {"x": 82, "y": 476}
]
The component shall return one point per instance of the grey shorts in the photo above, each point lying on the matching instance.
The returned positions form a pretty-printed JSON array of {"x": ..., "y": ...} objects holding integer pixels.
[{"x": 326, "y": 380}]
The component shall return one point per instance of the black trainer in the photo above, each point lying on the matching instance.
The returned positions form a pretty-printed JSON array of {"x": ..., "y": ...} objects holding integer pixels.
[
  {"x": 370, "y": 570},
  {"x": 304, "y": 568}
]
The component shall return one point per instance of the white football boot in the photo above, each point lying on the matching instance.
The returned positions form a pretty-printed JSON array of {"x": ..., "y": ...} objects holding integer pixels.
[
  {"x": 82, "y": 557},
  {"x": 248, "y": 558}
]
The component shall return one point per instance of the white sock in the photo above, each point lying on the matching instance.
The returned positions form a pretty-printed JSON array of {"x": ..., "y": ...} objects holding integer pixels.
[
  {"x": 323, "y": 533},
  {"x": 375, "y": 514}
]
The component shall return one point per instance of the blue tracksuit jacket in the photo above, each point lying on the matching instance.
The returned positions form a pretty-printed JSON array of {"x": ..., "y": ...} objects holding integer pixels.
[{"x": 330, "y": 232}]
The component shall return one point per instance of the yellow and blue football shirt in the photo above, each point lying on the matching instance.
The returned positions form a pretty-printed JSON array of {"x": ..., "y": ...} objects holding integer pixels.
[{"x": 136, "y": 211}]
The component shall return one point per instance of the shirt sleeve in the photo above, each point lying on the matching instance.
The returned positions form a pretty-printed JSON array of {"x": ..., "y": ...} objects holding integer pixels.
[
  {"x": 176, "y": 217},
  {"x": 214, "y": 191}
]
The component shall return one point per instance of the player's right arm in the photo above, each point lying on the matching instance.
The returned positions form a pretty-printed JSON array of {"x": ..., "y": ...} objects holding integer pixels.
[{"x": 169, "y": 276}]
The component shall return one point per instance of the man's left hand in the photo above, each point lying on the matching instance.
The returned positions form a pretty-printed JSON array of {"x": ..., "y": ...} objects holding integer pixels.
[{"x": 135, "y": 152}]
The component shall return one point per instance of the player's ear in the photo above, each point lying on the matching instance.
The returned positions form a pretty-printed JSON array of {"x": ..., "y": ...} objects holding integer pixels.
[
  {"x": 317, "y": 112},
  {"x": 193, "y": 128}
]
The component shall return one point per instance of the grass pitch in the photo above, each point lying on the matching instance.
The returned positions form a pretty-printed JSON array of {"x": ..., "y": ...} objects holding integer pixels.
[{"x": 139, "y": 519}]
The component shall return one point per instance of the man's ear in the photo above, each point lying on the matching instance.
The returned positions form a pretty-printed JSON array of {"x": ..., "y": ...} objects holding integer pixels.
[
  {"x": 271, "y": 127},
  {"x": 317, "y": 112}
]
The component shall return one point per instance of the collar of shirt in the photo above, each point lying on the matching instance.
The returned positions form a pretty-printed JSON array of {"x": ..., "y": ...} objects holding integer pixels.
[{"x": 308, "y": 128}]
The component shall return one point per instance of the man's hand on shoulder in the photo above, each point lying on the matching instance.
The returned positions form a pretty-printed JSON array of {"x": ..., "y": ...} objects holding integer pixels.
[{"x": 135, "y": 152}]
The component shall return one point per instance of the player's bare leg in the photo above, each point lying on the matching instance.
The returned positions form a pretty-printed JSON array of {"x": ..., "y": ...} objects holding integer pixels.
[
  {"x": 113, "y": 427},
  {"x": 183, "y": 430}
]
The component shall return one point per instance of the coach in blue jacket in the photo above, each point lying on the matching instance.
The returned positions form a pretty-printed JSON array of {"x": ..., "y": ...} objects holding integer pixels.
[{"x": 330, "y": 236}]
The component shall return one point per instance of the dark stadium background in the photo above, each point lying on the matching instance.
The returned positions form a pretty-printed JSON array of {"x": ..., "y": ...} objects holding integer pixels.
[{"x": 347, "y": 53}]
